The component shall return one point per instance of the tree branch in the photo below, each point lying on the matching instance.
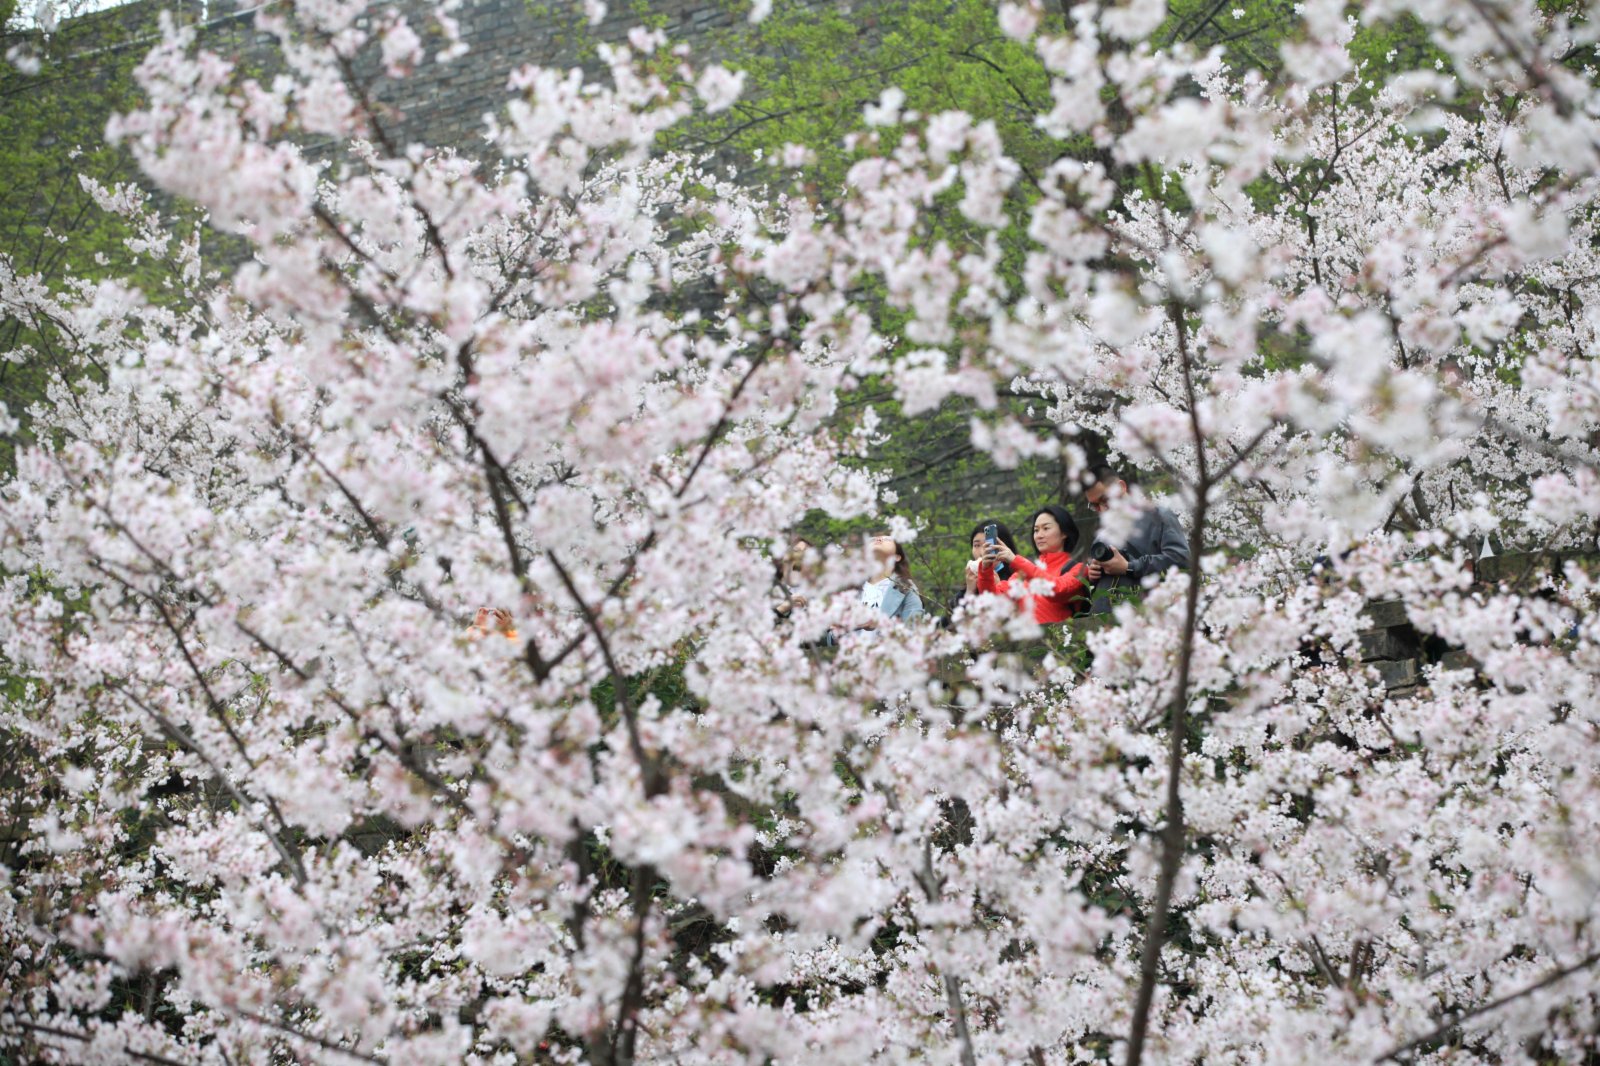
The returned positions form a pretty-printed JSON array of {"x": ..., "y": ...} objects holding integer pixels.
[
  {"x": 1173, "y": 834},
  {"x": 1446, "y": 1028}
]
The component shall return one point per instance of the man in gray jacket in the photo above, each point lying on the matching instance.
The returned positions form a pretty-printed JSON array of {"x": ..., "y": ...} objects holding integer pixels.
[{"x": 1157, "y": 543}]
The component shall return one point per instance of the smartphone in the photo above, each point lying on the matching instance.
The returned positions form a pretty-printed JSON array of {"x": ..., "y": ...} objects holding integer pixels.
[{"x": 991, "y": 533}]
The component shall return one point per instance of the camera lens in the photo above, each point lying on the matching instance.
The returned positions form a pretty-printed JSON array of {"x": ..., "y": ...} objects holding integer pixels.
[{"x": 1100, "y": 552}]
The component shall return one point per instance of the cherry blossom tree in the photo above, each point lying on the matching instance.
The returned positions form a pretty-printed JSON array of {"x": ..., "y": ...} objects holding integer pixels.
[{"x": 275, "y": 801}]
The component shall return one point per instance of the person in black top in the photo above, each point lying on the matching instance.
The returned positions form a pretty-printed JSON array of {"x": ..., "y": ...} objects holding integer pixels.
[
  {"x": 1157, "y": 543},
  {"x": 789, "y": 579},
  {"x": 979, "y": 543}
]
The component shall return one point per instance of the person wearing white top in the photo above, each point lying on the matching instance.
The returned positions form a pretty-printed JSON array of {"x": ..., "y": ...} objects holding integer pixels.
[
  {"x": 872, "y": 592},
  {"x": 892, "y": 592}
]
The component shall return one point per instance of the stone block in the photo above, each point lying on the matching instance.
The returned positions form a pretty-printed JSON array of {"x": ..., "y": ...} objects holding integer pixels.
[
  {"x": 1386, "y": 613},
  {"x": 1387, "y": 643},
  {"x": 1510, "y": 567},
  {"x": 1396, "y": 673}
]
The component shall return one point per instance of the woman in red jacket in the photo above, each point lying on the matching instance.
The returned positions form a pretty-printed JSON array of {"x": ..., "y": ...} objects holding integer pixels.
[{"x": 1055, "y": 534}]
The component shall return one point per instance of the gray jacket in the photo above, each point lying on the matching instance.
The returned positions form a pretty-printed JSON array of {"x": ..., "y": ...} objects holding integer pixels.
[{"x": 1157, "y": 544}]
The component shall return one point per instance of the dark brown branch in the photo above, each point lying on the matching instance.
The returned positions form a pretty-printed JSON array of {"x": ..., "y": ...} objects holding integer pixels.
[
  {"x": 1447, "y": 1027},
  {"x": 165, "y": 570},
  {"x": 969, "y": 53},
  {"x": 623, "y": 1047},
  {"x": 649, "y": 768},
  {"x": 1180, "y": 32},
  {"x": 1173, "y": 834},
  {"x": 1325, "y": 965},
  {"x": 958, "y": 1014},
  {"x": 323, "y": 215},
  {"x": 175, "y": 733},
  {"x": 1241, "y": 454},
  {"x": 218, "y": 710},
  {"x": 400, "y": 753},
  {"x": 67, "y": 1034},
  {"x": 316, "y": 1041},
  {"x": 722, "y": 422}
]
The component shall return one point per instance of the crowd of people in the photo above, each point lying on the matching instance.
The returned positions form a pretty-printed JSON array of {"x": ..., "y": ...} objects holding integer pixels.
[{"x": 1065, "y": 578}]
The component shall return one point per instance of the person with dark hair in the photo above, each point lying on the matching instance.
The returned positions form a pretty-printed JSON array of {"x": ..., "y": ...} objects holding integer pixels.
[
  {"x": 980, "y": 544},
  {"x": 1055, "y": 535},
  {"x": 789, "y": 579},
  {"x": 892, "y": 592},
  {"x": 1157, "y": 543}
]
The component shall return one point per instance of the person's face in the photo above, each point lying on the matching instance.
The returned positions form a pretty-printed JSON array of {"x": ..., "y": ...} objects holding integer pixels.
[
  {"x": 882, "y": 548},
  {"x": 1100, "y": 494},
  {"x": 797, "y": 551},
  {"x": 1047, "y": 536},
  {"x": 978, "y": 544}
]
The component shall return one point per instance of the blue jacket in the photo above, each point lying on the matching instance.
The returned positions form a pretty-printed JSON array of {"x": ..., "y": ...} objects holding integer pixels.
[
  {"x": 902, "y": 605},
  {"x": 905, "y": 605}
]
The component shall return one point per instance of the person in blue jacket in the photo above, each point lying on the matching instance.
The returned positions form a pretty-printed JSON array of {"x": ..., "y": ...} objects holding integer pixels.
[{"x": 892, "y": 592}]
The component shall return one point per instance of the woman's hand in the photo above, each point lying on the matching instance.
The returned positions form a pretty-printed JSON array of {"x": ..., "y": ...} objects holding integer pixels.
[
  {"x": 998, "y": 553},
  {"x": 972, "y": 577}
]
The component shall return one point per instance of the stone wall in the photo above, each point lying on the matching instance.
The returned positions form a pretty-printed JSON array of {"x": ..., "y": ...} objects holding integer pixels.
[
  {"x": 1394, "y": 648},
  {"x": 445, "y": 104}
]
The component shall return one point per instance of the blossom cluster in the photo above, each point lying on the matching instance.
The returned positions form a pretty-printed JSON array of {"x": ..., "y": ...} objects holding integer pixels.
[{"x": 276, "y": 800}]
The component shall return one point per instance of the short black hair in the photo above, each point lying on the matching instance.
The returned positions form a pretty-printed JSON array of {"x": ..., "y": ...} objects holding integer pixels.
[
  {"x": 1002, "y": 531},
  {"x": 1069, "y": 528},
  {"x": 1104, "y": 474}
]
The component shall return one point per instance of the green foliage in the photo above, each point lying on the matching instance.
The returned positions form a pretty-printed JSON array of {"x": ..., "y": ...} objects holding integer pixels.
[
  {"x": 52, "y": 130},
  {"x": 52, "y": 125},
  {"x": 943, "y": 486},
  {"x": 666, "y": 683},
  {"x": 811, "y": 69}
]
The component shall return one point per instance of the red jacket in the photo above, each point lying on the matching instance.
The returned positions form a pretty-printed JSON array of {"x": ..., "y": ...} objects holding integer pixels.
[{"x": 1070, "y": 595}]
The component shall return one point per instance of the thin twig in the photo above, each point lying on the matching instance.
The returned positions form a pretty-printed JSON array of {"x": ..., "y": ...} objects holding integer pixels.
[{"x": 1445, "y": 1028}]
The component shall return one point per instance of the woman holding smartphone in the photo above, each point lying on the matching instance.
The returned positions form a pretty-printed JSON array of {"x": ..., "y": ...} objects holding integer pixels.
[
  {"x": 989, "y": 531},
  {"x": 1055, "y": 535}
]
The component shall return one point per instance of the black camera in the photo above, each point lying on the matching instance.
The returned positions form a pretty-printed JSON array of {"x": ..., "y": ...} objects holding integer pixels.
[{"x": 1101, "y": 553}]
